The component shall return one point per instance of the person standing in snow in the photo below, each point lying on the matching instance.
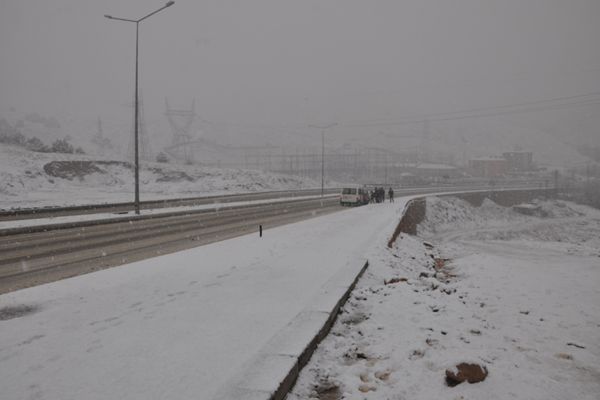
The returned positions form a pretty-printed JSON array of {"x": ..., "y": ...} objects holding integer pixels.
[{"x": 391, "y": 195}]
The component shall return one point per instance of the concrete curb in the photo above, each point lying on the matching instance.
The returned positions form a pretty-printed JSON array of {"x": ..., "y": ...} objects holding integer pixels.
[{"x": 272, "y": 373}]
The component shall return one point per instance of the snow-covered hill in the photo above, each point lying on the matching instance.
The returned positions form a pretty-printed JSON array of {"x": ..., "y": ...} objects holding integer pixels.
[{"x": 29, "y": 179}]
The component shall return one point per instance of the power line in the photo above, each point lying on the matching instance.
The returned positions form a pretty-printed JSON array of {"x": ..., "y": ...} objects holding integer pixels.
[
  {"x": 474, "y": 115},
  {"x": 473, "y": 110},
  {"x": 434, "y": 117},
  {"x": 523, "y": 111}
]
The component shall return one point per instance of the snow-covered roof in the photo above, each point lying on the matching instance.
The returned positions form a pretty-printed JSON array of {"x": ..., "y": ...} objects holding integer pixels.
[{"x": 489, "y": 159}]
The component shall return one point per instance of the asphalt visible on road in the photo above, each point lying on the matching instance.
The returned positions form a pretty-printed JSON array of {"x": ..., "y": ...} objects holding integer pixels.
[
  {"x": 29, "y": 259},
  {"x": 42, "y": 254}
]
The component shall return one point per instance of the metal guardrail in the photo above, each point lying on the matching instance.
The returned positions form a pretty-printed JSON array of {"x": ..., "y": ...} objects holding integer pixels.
[
  {"x": 39, "y": 212},
  {"x": 106, "y": 221}
]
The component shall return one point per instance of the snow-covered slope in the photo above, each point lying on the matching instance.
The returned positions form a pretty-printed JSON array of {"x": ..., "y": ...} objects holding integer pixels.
[
  {"x": 515, "y": 294},
  {"x": 559, "y": 224},
  {"x": 42, "y": 179}
]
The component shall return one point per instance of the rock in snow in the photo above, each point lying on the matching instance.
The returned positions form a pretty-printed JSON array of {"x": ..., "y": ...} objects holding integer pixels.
[{"x": 471, "y": 373}]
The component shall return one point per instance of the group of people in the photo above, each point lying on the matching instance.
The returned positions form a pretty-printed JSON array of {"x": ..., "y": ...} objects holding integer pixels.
[{"x": 378, "y": 195}]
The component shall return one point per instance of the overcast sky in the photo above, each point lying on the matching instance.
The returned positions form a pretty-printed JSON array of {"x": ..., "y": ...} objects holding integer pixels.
[{"x": 293, "y": 63}]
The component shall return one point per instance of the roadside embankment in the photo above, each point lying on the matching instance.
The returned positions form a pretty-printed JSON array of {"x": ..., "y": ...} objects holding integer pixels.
[
  {"x": 486, "y": 302},
  {"x": 415, "y": 210}
]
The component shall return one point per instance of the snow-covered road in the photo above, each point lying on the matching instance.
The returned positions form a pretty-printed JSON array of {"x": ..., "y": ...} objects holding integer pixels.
[
  {"x": 217, "y": 206},
  {"x": 177, "y": 326}
]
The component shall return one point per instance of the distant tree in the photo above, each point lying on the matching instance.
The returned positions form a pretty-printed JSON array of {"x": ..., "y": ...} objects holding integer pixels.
[
  {"x": 79, "y": 150},
  {"x": 162, "y": 157},
  {"x": 62, "y": 146},
  {"x": 9, "y": 134},
  {"x": 35, "y": 144},
  {"x": 590, "y": 151},
  {"x": 47, "y": 122}
]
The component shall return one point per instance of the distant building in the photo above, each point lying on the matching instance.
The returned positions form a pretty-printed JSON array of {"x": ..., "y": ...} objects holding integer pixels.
[
  {"x": 433, "y": 170},
  {"x": 519, "y": 161},
  {"x": 489, "y": 167}
]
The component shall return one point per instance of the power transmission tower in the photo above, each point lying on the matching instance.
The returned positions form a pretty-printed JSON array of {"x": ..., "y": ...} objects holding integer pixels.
[
  {"x": 323, "y": 128},
  {"x": 180, "y": 122},
  {"x": 425, "y": 142},
  {"x": 99, "y": 140},
  {"x": 464, "y": 151}
]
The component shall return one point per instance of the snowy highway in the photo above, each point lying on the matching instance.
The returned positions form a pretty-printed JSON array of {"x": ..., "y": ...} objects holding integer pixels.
[
  {"x": 37, "y": 251},
  {"x": 48, "y": 253},
  {"x": 306, "y": 200},
  {"x": 228, "y": 319},
  {"x": 53, "y": 212},
  {"x": 180, "y": 325}
]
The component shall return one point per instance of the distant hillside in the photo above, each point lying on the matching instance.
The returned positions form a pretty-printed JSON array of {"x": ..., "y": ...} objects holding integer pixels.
[{"x": 46, "y": 179}]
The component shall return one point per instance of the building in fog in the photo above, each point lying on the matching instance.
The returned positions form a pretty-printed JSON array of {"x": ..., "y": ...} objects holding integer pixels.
[
  {"x": 489, "y": 167},
  {"x": 519, "y": 161},
  {"x": 432, "y": 170}
]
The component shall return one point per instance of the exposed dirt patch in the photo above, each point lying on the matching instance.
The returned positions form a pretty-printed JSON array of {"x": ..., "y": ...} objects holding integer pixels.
[
  {"x": 71, "y": 169},
  {"x": 395, "y": 280},
  {"x": 116, "y": 163},
  {"x": 382, "y": 375},
  {"x": 564, "y": 356},
  {"x": 328, "y": 392},
  {"x": 11, "y": 312},
  {"x": 367, "y": 388},
  {"x": 354, "y": 318},
  {"x": 171, "y": 176},
  {"x": 439, "y": 263}
]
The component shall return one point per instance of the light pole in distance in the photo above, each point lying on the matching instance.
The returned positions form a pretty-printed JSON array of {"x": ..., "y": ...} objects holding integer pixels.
[
  {"x": 323, "y": 128},
  {"x": 136, "y": 112}
]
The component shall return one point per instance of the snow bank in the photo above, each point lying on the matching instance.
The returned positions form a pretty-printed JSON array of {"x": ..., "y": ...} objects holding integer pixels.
[
  {"x": 445, "y": 213},
  {"x": 527, "y": 310},
  {"x": 573, "y": 227}
]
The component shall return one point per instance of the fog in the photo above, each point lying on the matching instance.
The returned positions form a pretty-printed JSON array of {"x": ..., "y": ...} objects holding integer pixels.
[{"x": 262, "y": 72}]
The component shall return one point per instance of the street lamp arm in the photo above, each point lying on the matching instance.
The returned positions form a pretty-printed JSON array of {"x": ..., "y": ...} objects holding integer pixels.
[
  {"x": 314, "y": 126},
  {"x": 119, "y": 19},
  {"x": 169, "y": 4}
]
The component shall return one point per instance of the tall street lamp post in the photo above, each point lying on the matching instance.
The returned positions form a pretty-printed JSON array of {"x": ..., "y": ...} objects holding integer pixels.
[
  {"x": 136, "y": 112},
  {"x": 323, "y": 128}
]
